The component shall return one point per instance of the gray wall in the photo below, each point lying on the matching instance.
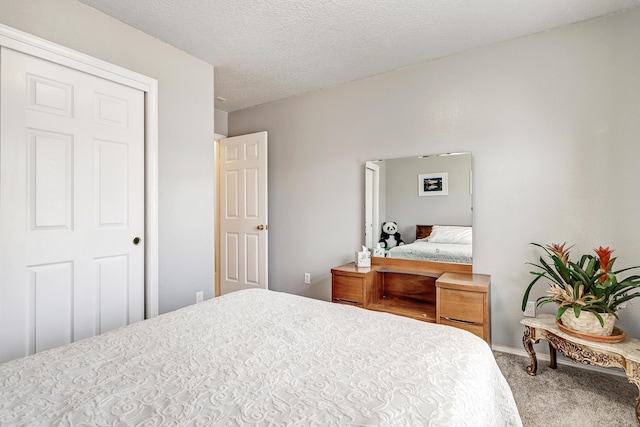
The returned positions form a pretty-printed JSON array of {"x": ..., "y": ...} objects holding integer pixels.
[
  {"x": 221, "y": 120},
  {"x": 552, "y": 121},
  {"x": 185, "y": 131}
]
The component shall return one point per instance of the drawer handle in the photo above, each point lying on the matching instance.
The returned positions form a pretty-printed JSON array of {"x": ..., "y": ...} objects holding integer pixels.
[
  {"x": 345, "y": 300},
  {"x": 467, "y": 322}
]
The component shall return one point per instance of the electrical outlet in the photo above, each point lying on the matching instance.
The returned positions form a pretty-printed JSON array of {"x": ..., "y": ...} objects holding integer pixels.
[
  {"x": 199, "y": 296},
  {"x": 530, "y": 309},
  {"x": 307, "y": 278}
]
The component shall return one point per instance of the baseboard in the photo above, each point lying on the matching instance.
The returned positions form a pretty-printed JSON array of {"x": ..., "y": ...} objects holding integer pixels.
[{"x": 543, "y": 357}]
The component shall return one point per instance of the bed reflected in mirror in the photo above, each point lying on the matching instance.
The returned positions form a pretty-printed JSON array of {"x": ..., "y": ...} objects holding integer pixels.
[{"x": 429, "y": 198}]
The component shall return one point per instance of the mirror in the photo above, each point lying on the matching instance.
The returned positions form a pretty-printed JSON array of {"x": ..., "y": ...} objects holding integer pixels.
[{"x": 423, "y": 190}]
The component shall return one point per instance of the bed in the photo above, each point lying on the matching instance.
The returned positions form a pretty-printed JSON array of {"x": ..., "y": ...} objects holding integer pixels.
[
  {"x": 438, "y": 243},
  {"x": 266, "y": 358}
]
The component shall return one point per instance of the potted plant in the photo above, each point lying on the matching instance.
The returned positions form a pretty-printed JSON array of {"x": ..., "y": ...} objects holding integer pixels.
[{"x": 589, "y": 287}]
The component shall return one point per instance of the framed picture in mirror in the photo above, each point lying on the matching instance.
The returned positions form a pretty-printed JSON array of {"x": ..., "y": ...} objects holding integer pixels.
[{"x": 433, "y": 184}]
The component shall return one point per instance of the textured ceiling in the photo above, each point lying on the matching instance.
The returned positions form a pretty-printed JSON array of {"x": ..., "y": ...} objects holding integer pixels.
[{"x": 264, "y": 50}]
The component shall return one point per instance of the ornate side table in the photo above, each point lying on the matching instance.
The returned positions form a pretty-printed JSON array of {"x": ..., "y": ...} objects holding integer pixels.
[{"x": 624, "y": 355}]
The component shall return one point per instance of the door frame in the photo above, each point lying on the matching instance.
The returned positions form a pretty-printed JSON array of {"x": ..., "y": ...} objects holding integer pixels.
[
  {"x": 216, "y": 212},
  {"x": 31, "y": 45},
  {"x": 375, "y": 201}
]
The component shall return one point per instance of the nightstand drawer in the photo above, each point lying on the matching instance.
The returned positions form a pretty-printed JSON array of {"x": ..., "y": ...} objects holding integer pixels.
[
  {"x": 347, "y": 289},
  {"x": 462, "y": 305}
]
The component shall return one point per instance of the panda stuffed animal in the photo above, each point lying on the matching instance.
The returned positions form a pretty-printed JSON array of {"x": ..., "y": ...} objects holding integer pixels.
[{"x": 390, "y": 236}]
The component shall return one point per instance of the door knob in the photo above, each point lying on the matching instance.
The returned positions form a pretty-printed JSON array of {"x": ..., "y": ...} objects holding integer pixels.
[
  {"x": 262, "y": 227},
  {"x": 136, "y": 240}
]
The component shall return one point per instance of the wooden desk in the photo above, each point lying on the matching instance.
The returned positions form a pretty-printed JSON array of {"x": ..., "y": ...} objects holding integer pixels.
[
  {"x": 624, "y": 355},
  {"x": 419, "y": 291}
]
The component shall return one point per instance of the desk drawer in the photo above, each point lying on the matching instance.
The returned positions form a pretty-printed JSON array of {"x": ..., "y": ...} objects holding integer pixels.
[
  {"x": 470, "y": 327},
  {"x": 462, "y": 305},
  {"x": 347, "y": 289}
]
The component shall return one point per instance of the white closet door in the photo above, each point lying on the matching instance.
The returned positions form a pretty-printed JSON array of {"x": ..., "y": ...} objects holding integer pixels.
[{"x": 71, "y": 204}]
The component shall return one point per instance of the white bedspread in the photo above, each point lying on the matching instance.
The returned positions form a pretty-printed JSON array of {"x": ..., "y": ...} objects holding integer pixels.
[
  {"x": 428, "y": 251},
  {"x": 266, "y": 358}
]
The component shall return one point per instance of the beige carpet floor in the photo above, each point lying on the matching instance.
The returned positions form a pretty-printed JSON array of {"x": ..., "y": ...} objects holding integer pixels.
[{"x": 569, "y": 396}]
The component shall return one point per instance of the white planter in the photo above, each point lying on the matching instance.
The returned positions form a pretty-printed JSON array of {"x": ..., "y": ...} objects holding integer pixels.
[{"x": 588, "y": 323}]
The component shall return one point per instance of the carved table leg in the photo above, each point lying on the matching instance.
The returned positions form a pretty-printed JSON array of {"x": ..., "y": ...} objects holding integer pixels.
[
  {"x": 528, "y": 341},
  {"x": 633, "y": 375},
  {"x": 637, "y": 400},
  {"x": 552, "y": 357}
]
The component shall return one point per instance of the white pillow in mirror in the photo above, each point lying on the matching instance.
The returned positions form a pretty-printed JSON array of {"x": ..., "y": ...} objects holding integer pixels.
[{"x": 450, "y": 234}]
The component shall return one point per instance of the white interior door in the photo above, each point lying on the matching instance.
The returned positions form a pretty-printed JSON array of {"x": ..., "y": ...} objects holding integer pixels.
[
  {"x": 243, "y": 212},
  {"x": 71, "y": 204}
]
